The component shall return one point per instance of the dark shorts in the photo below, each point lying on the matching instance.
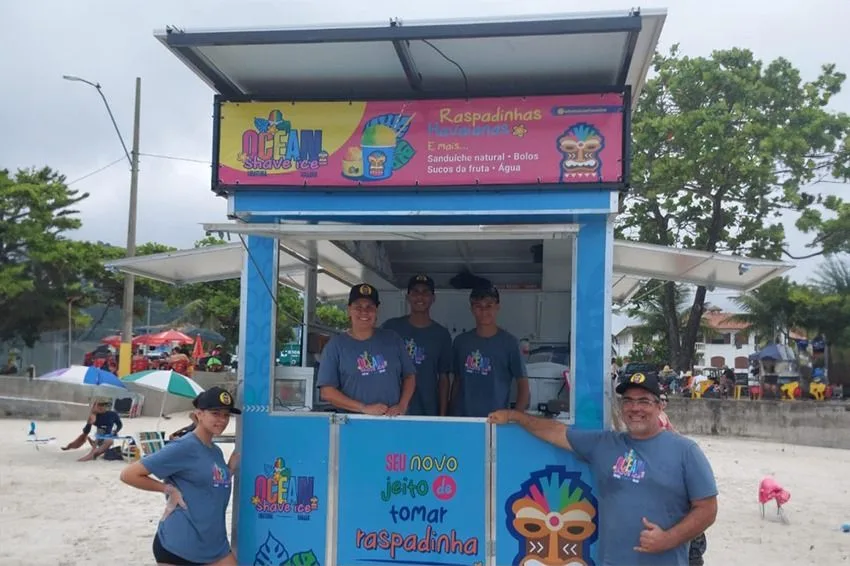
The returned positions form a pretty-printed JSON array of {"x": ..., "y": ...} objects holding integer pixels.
[
  {"x": 696, "y": 549},
  {"x": 162, "y": 556}
]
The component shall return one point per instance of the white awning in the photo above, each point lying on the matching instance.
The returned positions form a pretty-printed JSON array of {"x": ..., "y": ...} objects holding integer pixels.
[
  {"x": 337, "y": 270},
  {"x": 642, "y": 262},
  {"x": 634, "y": 263}
]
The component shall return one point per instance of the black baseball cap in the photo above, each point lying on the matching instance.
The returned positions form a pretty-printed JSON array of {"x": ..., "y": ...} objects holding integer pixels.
[
  {"x": 641, "y": 381},
  {"x": 488, "y": 292},
  {"x": 420, "y": 279},
  {"x": 363, "y": 291},
  {"x": 215, "y": 398}
]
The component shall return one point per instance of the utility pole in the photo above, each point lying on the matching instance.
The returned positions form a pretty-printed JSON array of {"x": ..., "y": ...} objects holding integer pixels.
[{"x": 126, "y": 351}]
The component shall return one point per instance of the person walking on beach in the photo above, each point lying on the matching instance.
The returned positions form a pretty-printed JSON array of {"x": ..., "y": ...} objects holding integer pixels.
[
  {"x": 197, "y": 484},
  {"x": 657, "y": 490}
]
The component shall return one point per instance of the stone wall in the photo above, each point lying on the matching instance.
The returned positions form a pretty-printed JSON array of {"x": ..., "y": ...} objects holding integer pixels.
[{"x": 825, "y": 424}]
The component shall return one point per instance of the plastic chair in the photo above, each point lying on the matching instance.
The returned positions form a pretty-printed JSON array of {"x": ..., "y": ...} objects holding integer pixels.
[{"x": 150, "y": 442}]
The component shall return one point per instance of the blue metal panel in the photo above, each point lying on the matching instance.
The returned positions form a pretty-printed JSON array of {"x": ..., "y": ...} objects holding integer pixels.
[
  {"x": 412, "y": 492},
  {"x": 417, "y": 204},
  {"x": 285, "y": 490},
  {"x": 527, "y": 469},
  {"x": 594, "y": 246},
  {"x": 257, "y": 327}
]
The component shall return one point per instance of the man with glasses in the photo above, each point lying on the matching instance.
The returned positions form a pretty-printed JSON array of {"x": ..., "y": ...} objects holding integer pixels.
[
  {"x": 429, "y": 345},
  {"x": 657, "y": 491},
  {"x": 366, "y": 370}
]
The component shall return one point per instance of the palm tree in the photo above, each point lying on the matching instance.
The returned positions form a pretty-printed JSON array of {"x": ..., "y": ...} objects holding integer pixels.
[
  {"x": 654, "y": 325},
  {"x": 768, "y": 310},
  {"x": 833, "y": 277}
]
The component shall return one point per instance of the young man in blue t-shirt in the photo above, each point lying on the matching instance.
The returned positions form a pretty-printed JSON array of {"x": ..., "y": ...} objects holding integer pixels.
[
  {"x": 486, "y": 361},
  {"x": 429, "y": 345},
  {"x": 657, "y": 491}
]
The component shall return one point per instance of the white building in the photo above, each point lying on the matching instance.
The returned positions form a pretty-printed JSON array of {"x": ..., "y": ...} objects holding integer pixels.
[{"x": 730, "y": 342}]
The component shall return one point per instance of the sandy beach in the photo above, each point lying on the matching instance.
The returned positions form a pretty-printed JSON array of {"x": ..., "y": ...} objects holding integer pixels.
[{"x": 57, "y": 511}]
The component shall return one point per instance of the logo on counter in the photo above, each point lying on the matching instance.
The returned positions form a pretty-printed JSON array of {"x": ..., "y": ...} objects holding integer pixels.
[
  {"x": 553, "y": 518},
  {"x": 277, "y": 491}
]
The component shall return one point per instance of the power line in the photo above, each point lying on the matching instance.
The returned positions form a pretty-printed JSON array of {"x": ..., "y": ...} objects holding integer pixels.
[
  {"x": 96, "y": 171},
  {"x": 155, "y": 155},
  {"x": 175, "y": 158}
]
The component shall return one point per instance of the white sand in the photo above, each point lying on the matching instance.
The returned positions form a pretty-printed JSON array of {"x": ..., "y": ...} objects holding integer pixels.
[{"x": 56, "y": 511}]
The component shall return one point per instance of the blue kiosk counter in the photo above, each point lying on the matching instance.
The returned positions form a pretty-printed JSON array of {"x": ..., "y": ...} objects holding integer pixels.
[{"x": 495, "y": 149}]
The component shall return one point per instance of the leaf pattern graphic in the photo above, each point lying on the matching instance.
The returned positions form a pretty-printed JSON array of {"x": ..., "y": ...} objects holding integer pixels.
[
  {"x": 271, "y": 552},
  {"x": 307, "y": 558},
  {"x": 404, "y": 152}
]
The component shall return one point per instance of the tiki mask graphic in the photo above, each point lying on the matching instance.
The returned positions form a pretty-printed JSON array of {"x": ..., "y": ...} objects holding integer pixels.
[
  {"x": 553, "y": 518},
  {"x": 580, "y": 146},
  {"x": 377, "y": 162}
]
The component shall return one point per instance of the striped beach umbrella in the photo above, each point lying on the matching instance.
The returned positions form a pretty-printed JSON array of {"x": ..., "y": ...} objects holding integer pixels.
[{"x": 166, "y": 381}]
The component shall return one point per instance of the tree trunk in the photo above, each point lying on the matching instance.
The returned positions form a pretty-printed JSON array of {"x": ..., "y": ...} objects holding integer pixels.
[
  {"x": 671, "y": 319},
  {"x": 686, "y": 355}
]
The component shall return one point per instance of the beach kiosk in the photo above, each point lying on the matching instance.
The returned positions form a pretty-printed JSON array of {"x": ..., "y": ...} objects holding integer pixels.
[{"x": 493, "y": 148}]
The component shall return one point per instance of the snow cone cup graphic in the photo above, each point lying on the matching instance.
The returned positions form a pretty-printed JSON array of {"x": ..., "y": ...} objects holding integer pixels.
[
  {"x": 378, "y": 144},
  {"x": 352, "y": 163}
]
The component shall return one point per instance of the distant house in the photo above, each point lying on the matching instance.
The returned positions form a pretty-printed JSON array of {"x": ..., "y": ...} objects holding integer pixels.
[{"x": 729, "y": 343}]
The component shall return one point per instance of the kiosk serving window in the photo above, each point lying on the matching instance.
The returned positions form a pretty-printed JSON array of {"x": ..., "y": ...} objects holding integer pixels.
[{"x": 530, "y": 265}]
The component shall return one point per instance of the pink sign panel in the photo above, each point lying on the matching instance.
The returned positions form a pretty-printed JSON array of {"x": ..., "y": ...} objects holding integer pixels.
[{"x": 548, "y": 140}]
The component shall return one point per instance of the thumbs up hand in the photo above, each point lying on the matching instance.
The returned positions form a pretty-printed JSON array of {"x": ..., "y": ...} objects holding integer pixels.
[{"x": 653, "y": 539}]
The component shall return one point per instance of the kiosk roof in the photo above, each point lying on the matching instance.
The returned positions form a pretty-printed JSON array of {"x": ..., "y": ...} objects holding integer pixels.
[{"x": 530, "y": 55}]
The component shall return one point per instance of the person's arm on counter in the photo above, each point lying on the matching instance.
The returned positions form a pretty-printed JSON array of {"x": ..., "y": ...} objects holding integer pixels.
[{"x": 552, "y": 431}]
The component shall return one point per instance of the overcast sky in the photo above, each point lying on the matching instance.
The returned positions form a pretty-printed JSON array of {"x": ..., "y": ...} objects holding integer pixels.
[{"x": 45, "y": 120}]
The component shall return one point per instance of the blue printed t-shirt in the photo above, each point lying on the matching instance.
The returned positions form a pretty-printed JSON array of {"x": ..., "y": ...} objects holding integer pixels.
[
  {"x": 199, "y": 532},
  {"x": 486, "y": 367},
  {"x": 655, "y": 478},
  {"x": 430, "y": 348},
  {"x": 369, "y": 371}
]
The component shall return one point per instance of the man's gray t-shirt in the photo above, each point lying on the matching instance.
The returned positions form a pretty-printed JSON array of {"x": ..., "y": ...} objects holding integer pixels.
[
  {"x": 430, "y": 348},
  {"x": 655, "y": 478},
  {"x": 199, "y": 532},
  {"x": 486, "y": 367},
  {"x": 369, "y": 371}
]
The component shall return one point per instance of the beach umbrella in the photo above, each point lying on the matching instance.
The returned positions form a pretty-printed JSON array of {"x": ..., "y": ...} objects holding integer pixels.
[
  {"x": 115, "y": 340},
  {"x": 166, "y": 337},
  {"x": 166, "y": 381},
  {"x": 84, "y": 375},
  {"x": 198, "y": 350}
]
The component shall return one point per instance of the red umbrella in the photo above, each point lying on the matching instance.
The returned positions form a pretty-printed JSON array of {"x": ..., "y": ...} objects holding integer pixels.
[
  {"x": 115, "y": 340},
  {"x": 198, "y": 350},
  {"x": 165, "y": 338}
]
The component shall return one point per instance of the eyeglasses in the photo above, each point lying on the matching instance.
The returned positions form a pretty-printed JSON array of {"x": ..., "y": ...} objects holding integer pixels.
[{"x": 642, "y": 402}]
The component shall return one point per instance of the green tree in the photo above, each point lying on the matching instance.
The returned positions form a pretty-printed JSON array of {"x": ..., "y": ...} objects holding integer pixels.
[
  {"x": 824, "y": 306},
  {"x": 658, "y": 331},
  {"x": 770, "y": 310},
  {"x": 216, "y": 304},
  {"x": 37, "y": 274},
  {"x": 722, "y": 145},
  {"x": 100, "y": 286}
]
